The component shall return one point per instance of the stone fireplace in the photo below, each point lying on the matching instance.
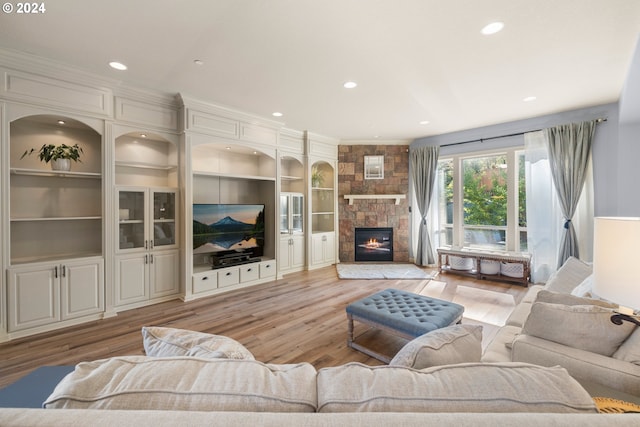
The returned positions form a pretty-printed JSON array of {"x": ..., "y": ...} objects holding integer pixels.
[
  {"x": 373, "y": 212},
  {"x": 373, "y": 244}
]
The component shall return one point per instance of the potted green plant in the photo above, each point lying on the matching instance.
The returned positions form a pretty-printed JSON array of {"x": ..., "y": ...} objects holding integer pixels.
[
  {"x": 316, "y": 177},
  {"x": 60, "y": 156}
]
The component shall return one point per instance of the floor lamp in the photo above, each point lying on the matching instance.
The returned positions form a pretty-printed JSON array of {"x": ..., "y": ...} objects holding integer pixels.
[{"x": 616, "y": 265}]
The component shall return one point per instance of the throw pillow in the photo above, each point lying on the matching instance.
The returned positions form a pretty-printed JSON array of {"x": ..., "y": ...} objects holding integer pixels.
[
  {"x": 584, "y": 288},
  {"x": 570, "y": 275},
  {"x": 585, "y": 327},
  {"x": 568, "y": 299},
  {"x": 445, "y": 346},
  {"x": 629, "y": 351},
  {"x": 168, "y": 342}
]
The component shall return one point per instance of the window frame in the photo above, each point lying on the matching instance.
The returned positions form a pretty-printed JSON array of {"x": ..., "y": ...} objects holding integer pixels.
[{"x": 513, "y": 230}]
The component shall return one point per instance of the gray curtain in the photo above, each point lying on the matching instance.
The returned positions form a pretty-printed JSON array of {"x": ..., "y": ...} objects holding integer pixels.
[
  {"x": 569, "y": 149},
  {"x": 424, "y": 167}
]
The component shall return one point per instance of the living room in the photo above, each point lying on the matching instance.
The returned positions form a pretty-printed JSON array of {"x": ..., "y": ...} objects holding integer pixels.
[{"x": 189, "y": 150}]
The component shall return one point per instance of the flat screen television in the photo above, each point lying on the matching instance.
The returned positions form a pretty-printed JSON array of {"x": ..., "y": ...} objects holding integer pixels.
[{"x": 228, "y": 228}]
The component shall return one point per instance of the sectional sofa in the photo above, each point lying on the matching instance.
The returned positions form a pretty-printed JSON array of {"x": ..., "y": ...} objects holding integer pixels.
[{"x": 563, "y": 323}]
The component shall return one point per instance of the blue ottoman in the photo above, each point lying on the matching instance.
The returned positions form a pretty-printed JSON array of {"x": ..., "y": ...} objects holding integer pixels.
[{"x": 400, "y": 313}]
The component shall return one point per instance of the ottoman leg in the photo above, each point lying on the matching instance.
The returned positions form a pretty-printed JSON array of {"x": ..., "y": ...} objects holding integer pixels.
[{"x": 349, "y": 330}]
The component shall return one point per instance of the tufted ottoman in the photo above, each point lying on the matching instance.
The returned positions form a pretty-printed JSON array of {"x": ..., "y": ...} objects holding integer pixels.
[{"x": 400, "y": 313}]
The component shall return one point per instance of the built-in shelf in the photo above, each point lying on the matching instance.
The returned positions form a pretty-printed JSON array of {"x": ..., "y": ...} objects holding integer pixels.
[
  {"x": 352, "y": 197},
  {"x": 290, "y": 178},
  {"x": 236, "y": 176},
  {"x": 39, "y": 172},
  {"x": 64, "y": 218},
  {"x": 143, "y": 165}
]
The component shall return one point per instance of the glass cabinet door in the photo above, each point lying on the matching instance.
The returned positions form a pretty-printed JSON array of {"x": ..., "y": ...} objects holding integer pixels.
[
  {"x": 297, "y": 204},
  {"x": 164, "y": 218},
  {"x": 284, "y": 214},
  {"x": 131, "y": 219}
]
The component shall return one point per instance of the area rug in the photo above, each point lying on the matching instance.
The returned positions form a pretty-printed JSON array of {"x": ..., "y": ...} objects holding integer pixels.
[
  {"x": 480, "y": 304},
  {"x": 381, "y": 271}
]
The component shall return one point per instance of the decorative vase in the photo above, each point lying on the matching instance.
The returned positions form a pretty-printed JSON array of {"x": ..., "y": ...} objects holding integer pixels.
[{"x": 61, "y": 165}]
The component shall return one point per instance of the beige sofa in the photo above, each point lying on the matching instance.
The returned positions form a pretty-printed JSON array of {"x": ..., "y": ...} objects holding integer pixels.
[
  {"x": 592, "y": 349},
  {"x": 192, "y": 391}
]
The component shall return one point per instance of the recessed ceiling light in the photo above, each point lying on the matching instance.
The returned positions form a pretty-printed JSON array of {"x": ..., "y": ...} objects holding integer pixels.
[
  {"x": 198, "y": 61},
  {"x": 492, "y": 28},
  {"x": 228, "y": 148},
  {"x": 143, "y": 135},
  {"x": 276, "y": 114},
  {"x": 61, "y": 122},
  {"x": 529, "y": 99},
  {"x": 117, "y": 65},
  {"x": 350, "y": 85},
  {"x": 424, "y": 122}
]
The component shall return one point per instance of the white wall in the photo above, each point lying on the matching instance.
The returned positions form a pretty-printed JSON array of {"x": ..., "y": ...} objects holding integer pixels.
[{"x": 627, "y": 161}]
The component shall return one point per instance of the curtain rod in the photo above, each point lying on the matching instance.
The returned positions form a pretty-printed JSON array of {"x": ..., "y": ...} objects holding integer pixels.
[{"x": 481, "y": 140}]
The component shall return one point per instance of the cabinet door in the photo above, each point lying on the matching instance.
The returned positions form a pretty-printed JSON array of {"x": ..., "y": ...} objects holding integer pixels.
[
  {"x": 33, "y": 296},
  {"x": 284, "y": 253},
  {"x": 297, "y": 213},
  {"x": 330, "y": 247},
  {"x": 163, "y": 269},
  {"x": 297, "y": 255},
  {"x": 131, "y": 219},
  {"x": 82, "y": 288},
  {"x": 132, "y": 281},
  {"x": 317, "y": 251},
  {"x": 284, "y": 214},
  {"x": 164, "y": 219}
]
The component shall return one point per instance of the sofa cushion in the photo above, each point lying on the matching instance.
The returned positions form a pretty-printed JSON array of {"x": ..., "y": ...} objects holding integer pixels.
[
  {"x": 570, "y": 275},
  {"x": 532, "y": 293},
  {"x": 499, "y": 349},
  {"x": 585, "y": 327},
  {"x": 629, "y": 351},
  {"x": 568, "y": 299},
  {"x": 453, "y": 344},
  {"x": 187, "y": 383},
  {"x": 167, "y": 342},
  {"x": 466, "y": 387},
  {"x": 519, "y": 314}
]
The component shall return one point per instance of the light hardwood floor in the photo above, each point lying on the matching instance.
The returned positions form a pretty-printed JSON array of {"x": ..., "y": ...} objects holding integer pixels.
[{"x": 300, "y": 318}]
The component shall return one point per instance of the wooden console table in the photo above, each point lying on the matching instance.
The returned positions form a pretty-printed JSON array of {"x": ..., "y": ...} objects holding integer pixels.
[{"x": 477, "y": 271}]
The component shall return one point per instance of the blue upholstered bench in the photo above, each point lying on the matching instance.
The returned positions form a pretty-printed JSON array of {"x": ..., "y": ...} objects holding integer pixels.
[{"x": 401, "y": 313}]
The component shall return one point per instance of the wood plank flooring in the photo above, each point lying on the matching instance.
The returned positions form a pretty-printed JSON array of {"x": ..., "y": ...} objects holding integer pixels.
[{"x": 300, "y": 318}]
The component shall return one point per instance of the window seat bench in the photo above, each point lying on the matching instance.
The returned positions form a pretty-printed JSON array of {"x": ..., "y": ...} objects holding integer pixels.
[{"x": 504, "y": 266}]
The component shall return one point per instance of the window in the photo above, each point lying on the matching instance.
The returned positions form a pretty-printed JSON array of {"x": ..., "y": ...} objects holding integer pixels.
[{"x": 481, "y": 201}]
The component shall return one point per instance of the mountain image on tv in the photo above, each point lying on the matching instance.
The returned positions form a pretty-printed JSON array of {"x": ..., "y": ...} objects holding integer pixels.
[{"x": 218, "y": 228}]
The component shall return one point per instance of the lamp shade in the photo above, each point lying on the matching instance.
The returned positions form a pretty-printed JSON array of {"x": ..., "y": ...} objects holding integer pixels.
[{"x": 616, "y": 260}]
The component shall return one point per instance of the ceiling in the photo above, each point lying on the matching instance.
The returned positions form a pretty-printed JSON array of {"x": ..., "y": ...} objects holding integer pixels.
[{"x": 413, "y": 60}]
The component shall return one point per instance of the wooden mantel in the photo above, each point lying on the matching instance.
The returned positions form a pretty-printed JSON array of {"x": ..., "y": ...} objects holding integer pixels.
[{"x": 352, "y": 197}]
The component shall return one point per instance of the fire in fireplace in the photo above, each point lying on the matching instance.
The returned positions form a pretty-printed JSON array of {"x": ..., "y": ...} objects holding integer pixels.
[{"x": 374, "y": 244}]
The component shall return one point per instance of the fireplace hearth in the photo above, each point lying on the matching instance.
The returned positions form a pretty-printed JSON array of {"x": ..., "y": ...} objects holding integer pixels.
[{"x": 374, "y": 244}]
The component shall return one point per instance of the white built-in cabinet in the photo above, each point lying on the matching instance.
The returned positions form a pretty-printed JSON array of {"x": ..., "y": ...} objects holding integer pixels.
[
  {"x": 43, "y": 294},
  {"x": 55, "y": 268},
  {"x": 147, "y": 262},
  {"x": 115, "y": 231},
  {"x": 323, "y": 201},
  {"x": 291, "y": 253},
  {"x": 292, "y": 249}
]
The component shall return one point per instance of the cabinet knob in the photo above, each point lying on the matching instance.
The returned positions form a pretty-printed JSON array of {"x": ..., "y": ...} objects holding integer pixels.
[
  {"x": 205, "y": 278},
  {"x": 228, "y": 273}
]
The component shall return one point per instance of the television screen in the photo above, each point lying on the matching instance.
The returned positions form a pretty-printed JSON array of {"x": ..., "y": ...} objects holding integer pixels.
[{"x": 228, "y": 227}]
